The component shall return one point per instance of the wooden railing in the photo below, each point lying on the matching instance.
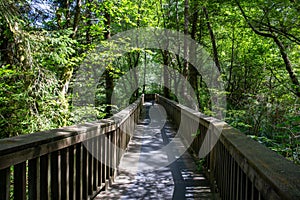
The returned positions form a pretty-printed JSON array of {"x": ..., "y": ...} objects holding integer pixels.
[
  {"x": 239, "y": 167},
  {"x": 74, "y": 162}
]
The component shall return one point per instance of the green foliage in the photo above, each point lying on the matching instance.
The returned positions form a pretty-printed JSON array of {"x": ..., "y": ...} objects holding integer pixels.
[
  {"x": 259, "y": 98},
  {"x": 39, "y": 61},
  {"x": 31, "y": 96}
]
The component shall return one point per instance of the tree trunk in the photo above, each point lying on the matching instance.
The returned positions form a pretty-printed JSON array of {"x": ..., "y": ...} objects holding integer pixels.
[
  {"x": 67, "y": 13},
  {"x": 145, "y": 69},
  {"x": 109, "y": 82},
  {"x": 288, "y": 65},
  {"x": 89, "y": 22},
  {"x": 213, "y": 40},
  {"x": 287, "y": 62},
  {"x": 185, "y": 47},
  {"x": 6, "y": 46},
  {"x": 166, "y": 88},
  {"x": 165, "y": 55},
  {"x": 193, "y": 73},
  {"x": 229, "y": 86},
  {"x": 135, "y": 74},
  {"x": 76, "y": 18}
]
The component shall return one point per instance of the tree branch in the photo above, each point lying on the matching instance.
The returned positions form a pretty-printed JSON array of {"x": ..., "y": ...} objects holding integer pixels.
[
  {"x": 250, "y": 25},
  {"x": 281, "y": 47}
]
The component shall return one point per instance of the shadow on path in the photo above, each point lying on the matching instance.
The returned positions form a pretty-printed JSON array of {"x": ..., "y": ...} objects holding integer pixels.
[{"x": 146, "y": 172}]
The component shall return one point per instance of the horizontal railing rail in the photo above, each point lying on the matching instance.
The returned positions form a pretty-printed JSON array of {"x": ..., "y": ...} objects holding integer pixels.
[
  {"x": 74, "y": 162},
  {"x": 240, "y": 167}
]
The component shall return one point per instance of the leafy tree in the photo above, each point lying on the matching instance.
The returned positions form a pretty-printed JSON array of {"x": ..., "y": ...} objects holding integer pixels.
[{"x": 255, "y": 46}]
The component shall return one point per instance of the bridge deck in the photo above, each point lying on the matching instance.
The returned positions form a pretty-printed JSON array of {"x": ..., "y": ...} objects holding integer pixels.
[{"x": 148, "y": 172}]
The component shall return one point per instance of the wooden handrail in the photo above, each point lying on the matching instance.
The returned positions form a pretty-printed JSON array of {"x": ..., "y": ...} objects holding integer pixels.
[
  {"x": 240, "y": 167},
  {"x": 58, "y": 165},
  {"x": 66, "y": 163}
]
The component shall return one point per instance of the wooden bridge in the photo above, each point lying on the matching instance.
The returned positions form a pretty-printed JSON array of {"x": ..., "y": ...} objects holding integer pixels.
[{"x": 111, "y": 159}]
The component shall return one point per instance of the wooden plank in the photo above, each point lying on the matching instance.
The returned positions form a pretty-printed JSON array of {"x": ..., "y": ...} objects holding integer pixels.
[
  {"x": 64, "y": 175},
  {"x": 111, "y": 155},
  {"x": 108, "y": 153},
  {"x": 78, "y": 171},
  {"x": 103, "y": 158},
  {"x": 55, "y": 184},
  {"x": 237, "y": 174},
  {"x": 227, "y": 172},
  {"x": 84, "y": 173},
  {"x": 20, "y": 181},
  {"x": 90, "y": 167},
  {"x": 114, "y": 149},
  {"x": 32, "y": 152},
  {"x": 222, "y": 170},
  {"x": 44, "y": 177},
  {"x": 95, "y": 163},
  {"x": 243, "y": 185},
  {"x": 32, "y": 179},
  {"x": 71, "y": 173},
  {"x": 4, "y": 183},
  {"x": 269, "y": 170},
  {"x": 15, "y": 144},
  {"x": 118, "y": 135},
  {"x": 99, "y": 161},
  {"x": 248, "y": 189},
  {"x": 255, "y": 193}
]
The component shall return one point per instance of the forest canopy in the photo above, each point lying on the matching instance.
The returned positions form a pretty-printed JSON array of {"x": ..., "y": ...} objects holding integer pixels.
[{"x": 255, "y": 46}]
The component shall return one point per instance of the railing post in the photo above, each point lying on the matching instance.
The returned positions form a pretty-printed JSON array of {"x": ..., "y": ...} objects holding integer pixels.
[
  {"x": 100, "y": 155},
  {"x": 56, "y": 165},
  {"x": 20, "y": 181},
  {"x": 90, "y": 167},
  {"x": 84, "y": 173},
  {"x": 4, "y": 183},
  {"x": 95, "y": 163},
  {"x": 103, "y": 159},
  {"x": 71, "y": 172},
  {"x": 115, "y": 146},
  {"x": 44, "y": 177},
  {"x": 78, "y": 171},
  {"x": 64, "y": 174},
  {"x": 54, "y": 176},
  {"x": 32, "y": 179},
  {"x": 107, "y": 159}
]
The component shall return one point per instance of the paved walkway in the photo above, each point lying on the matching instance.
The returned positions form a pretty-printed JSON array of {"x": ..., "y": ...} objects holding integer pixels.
[{"x": 150, "y": 169}]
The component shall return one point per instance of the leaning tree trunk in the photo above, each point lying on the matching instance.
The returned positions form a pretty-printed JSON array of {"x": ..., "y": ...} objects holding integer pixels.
[
  {"x": 282, "y": 49},
  {"x": 288, "y": 65}
]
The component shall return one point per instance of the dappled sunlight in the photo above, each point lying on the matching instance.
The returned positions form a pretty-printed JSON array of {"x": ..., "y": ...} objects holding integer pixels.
[{"x": 148, "y": 170}]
